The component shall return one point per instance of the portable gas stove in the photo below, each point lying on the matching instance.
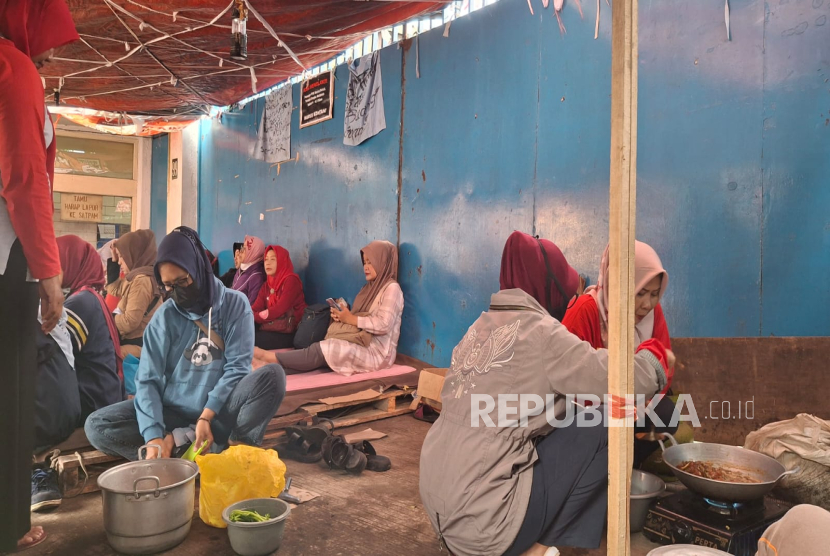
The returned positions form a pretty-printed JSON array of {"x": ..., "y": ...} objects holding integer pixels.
[{"x": 733, "y": 527}]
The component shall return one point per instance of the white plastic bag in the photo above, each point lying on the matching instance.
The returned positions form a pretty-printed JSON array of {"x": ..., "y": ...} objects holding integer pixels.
[{"x": 804, "y": 442}]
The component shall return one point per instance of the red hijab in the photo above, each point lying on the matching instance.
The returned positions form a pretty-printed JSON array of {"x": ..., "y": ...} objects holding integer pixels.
[
  {"x": 83, "y": 271},
  {"x": 35, "y": 26},
  {"x": 285, "y": 270},
  {"x": 81, "y": 264},
  {"x": 539, "y": 268}
]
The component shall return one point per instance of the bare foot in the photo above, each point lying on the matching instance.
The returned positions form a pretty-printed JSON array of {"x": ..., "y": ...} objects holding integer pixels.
[
  {"x": 265, "y": 356},
  {"x": 35, "y": 536}
]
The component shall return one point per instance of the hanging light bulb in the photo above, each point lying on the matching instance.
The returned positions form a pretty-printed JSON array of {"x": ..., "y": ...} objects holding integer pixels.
[{"x": 239, "y": 31}]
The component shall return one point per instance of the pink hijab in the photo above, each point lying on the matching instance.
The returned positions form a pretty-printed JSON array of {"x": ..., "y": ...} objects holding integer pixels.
[
  {"x": 647, "y": 265},
  {"x": 254, "y": 252}
]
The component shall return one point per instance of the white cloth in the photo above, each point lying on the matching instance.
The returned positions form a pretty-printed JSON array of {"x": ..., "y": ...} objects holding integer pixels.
[
  {"x": 7, "y": 233},
  {"x": 61, "y": 336},
  {"x": 384, "y": 322},
  {"x": 273, "y": 142},
  {"x": 364, "y": 116}
]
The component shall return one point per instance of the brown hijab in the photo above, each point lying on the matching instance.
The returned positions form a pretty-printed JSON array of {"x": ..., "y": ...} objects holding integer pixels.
[
  {"x": 139, "y": 251},
  {"x": 384, "y": 257}
]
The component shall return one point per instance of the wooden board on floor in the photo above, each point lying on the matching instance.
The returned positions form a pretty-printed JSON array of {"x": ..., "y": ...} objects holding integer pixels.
[{"x": 741, "y": 384}]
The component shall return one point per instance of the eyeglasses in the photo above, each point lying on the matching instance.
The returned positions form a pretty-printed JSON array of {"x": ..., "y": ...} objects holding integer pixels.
[{"x": 180, "y": 283}]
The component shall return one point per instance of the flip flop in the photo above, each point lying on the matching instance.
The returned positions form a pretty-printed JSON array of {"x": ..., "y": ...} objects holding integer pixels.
[
  {"x": 374, "y": 462},
  {"x": 35, "y": 542}
]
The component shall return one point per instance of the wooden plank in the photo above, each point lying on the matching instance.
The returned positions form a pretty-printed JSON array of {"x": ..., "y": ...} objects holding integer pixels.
[
  {"x": 622, "y": 225},
  {"x": 93, "y": 457},
  {"x": 314, "y": 409},
  {"x": 738, "y": 385},
  {"x": 368, "y": 415}
]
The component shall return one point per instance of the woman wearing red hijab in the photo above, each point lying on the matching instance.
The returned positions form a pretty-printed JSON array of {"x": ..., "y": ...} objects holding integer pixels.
[
  {"x": 279, "y": 306},
  {"x": 30, "y": 30},
  {"x": 94, "y": 335}
]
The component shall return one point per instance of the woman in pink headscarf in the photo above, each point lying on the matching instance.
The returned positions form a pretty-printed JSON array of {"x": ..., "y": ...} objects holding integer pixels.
[
  {"x": 251, "y": 274},
  {"x": 30, "y": 31},
  {"x": 587, "y": 318}
]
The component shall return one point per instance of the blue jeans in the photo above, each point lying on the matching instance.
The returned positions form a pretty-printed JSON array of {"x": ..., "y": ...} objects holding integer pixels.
[{"x": 251, "y": 405}]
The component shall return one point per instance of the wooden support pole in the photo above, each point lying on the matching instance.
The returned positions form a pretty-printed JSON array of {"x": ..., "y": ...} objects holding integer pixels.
[{"x": 621, "y": 276}]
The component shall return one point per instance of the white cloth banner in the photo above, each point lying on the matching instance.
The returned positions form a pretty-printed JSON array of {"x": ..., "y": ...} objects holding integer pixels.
[
  {"x": 364, "y": 116},
  {"x": 273, "y": 142}
]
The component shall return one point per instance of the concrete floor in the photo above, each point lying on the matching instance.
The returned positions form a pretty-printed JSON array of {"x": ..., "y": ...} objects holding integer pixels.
[{"x": 370, "y": 514}]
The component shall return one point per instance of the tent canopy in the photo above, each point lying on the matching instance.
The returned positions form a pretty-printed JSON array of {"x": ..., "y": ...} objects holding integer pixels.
[{"x": 161, "y": 59}]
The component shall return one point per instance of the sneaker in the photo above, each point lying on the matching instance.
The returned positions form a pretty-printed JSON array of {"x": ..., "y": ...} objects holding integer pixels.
[{"x": 45, "y": 492}]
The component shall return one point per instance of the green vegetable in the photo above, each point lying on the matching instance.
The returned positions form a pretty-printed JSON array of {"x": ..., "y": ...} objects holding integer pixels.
[{"x": 248, "y": 516}]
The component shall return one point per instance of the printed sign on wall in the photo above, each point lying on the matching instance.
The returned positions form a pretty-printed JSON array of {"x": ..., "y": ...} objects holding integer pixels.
[
  {"x": 81, "y": 208},
  {"x": 317, "y": 99}
]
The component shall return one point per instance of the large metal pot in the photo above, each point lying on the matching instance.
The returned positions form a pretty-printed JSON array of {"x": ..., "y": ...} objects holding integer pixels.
[
  {"x": 764, "y": 469},
  {"x": 148, "y": 504}
]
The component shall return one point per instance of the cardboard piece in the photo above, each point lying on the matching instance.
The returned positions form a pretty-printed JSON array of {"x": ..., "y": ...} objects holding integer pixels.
[
  {"x": 430, "y": 384},
  {"x": 367, "y": 434},
  {"x": 357, "y": 397},
  {"x": 302, "y": 494}
]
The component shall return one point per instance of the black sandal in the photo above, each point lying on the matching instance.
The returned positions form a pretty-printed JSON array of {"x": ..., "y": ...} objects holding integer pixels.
[
  {"x": 305, "y": 442},
  {"x": 374, "y": 462},
  {"x": 339, "y": 454}
]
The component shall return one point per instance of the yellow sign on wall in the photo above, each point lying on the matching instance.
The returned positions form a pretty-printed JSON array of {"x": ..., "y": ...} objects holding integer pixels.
[{"x": 81, "y": 208}]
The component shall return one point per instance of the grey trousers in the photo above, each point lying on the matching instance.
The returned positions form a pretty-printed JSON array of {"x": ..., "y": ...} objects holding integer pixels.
[{"x": 302, "y": 360}]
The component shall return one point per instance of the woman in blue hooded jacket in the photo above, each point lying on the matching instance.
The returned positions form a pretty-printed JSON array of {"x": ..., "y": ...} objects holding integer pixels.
[{"x": 192, "y": 386}]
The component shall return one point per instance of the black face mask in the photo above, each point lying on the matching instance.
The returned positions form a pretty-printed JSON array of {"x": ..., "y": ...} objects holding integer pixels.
[{"x": 187, "y": 297}]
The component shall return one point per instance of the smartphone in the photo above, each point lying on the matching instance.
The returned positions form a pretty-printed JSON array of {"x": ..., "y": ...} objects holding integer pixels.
[{"x": 333, "y": 304}]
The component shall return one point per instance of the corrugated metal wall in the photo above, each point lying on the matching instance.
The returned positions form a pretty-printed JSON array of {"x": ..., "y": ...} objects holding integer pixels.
[{"x": 508, "y": 128}]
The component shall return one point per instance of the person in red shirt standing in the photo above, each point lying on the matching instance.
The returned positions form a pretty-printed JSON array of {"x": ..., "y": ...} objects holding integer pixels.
[
  {"x": 587, "y": 318},
  {"x": 30, "y": 31}
]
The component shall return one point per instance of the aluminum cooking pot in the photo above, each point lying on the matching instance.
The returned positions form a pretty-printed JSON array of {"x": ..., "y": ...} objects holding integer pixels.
[
  {"x": 764, "y": 469},
  {"x": 148, "y": 504}
]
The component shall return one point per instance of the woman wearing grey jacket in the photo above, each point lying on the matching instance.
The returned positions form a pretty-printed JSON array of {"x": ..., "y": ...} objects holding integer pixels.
[{"x": 497, "y": 477}]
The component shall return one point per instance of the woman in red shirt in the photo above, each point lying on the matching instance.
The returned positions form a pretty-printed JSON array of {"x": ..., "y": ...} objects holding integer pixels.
[
  {"x": 279, "y": 306},
  {"x": 587, "y": 318},
  {"x": 30, "y": 31}
]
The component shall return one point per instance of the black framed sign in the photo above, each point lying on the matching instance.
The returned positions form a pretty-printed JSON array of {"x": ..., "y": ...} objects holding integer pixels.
[{"x": 317, "y": 99}]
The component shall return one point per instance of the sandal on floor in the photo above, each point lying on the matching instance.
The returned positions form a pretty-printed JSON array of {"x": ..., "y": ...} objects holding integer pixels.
[
  {"x": 305, "y": 442},
  {"x": 33, "y": 543},
  {"x": 339, "y": 454},
  {"x": 374, "y": 462}
]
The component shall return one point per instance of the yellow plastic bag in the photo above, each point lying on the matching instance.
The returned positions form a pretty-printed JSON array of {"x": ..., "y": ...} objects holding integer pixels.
[{"x": 238, "y": 473}]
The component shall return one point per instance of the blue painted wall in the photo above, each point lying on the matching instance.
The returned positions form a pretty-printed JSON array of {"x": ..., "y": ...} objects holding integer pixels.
[
  {"x": 158, "y": 186},
  {"x": 508, "y": 128}
]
